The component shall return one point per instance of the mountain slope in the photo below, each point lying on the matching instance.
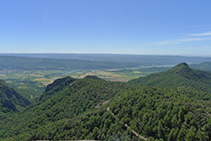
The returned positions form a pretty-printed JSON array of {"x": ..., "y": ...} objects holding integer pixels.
[
  {"x": 154, "y": 113},
  {"x": 202, "y": 66},
  {"x": 180, "y": 77},
  {"x": 56, "y": 87},
  {"x": 76, "y": 109},
  {"x": 10, "y": 99},
  {"x": 65, "y": 98}
]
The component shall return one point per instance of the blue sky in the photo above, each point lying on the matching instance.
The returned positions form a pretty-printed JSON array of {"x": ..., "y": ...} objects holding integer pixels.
[{"x": 161, "y": 27}]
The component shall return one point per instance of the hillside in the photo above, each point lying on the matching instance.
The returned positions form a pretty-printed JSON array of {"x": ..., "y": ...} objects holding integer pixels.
[
  {"x": 202, "y": 66},
  {"x": 148, "y": 111},
  {"x": 73, "y": 109},
  {"x": 179, "y": 77},
  {"x": 65, "y": 98},
  {"x": 10, "y": 99}
]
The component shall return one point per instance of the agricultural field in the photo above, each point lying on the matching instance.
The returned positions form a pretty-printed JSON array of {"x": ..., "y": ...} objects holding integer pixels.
[
  {"x": 31, "y": 84},
  {"x": 110, "y": 74}
]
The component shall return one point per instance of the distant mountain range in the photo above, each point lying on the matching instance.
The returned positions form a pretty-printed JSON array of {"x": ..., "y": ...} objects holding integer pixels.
[
  {"x": 26, "y": 63},
  {"x": 134, "y": 60},
  {"x": 95, "y": 61}
]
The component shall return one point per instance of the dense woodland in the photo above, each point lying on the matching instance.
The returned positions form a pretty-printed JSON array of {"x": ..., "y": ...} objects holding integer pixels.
[
  {"x": 202, "y": 66},
  {"x": 171, "y": 105},
  {"x": 10, "y": 99},
  {"x": 180, "y": 77}
]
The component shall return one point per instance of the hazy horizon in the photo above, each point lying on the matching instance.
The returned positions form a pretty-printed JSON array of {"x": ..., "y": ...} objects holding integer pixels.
[{"x": 29, "y": 53}]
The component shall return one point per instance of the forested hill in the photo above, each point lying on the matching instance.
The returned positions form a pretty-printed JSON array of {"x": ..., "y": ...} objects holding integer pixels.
[
  {"x": 56, "y": 87},
  {"x": 180, "y": 77},
  {"x": 78, "y": 109},
  {"x": 10, "y": 99},
  {"x": 202, "y": 66},
  {"x": 66, "y": 98},
  {"x": 73, "y": 109}
]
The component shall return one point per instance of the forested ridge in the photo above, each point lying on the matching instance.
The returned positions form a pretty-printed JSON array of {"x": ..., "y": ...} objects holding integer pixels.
[
  {"x": 73, "y": 109},
  {"x": 180, "y": 77},
  {"x": 202, "y": 66},
  {"x": 10, "y": 99}
]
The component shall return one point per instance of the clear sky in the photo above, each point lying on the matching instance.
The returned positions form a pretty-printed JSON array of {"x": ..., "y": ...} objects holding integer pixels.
[{"x": 164, "y": 27}]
